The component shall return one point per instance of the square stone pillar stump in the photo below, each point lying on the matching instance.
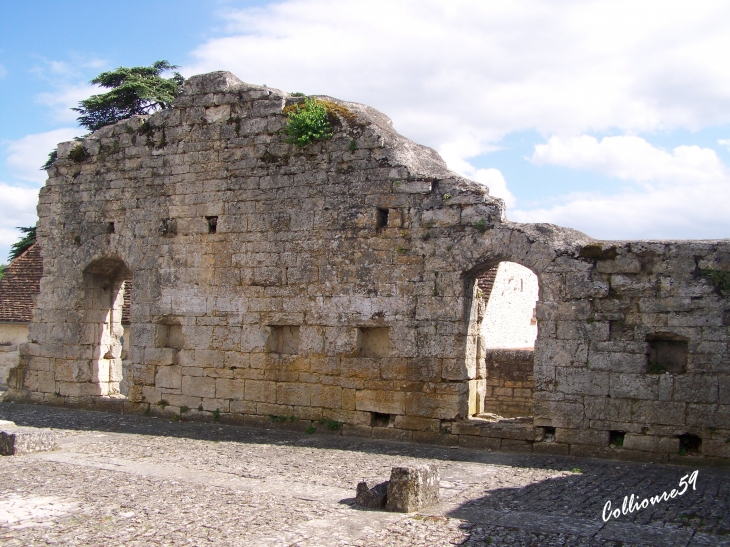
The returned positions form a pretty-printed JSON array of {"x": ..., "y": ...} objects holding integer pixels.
[{"x": 411, "y": 489}]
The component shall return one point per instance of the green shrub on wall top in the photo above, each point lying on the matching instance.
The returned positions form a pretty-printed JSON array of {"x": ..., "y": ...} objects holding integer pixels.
[{"x": 308, "y": 122}]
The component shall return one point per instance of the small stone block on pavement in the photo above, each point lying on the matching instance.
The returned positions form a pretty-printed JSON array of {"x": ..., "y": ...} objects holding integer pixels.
[
  {"x": 372, "y": 498},
  {"x": 411, "y": 489},
  {"x": 24, "y": 440}
]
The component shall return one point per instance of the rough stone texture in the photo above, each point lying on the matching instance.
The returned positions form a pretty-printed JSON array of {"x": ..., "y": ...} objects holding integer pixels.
[
  {"x": 24, "y": 440},
  {"x": 510, "y": 382},
  {"x": 261, "y": 271},
  {"x": 132, "y": 481},
  {"x": 372, "y": 498},
  {"x": 411, "y": 489}
]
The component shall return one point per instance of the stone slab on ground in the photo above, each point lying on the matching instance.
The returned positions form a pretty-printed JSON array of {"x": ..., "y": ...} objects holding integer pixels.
[{"x": 25, "y": 440}]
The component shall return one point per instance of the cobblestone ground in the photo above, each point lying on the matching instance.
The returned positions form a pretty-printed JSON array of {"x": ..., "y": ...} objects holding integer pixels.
[{"x": 136, "y": 481}]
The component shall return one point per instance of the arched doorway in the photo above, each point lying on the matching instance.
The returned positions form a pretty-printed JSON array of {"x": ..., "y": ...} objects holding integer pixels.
[{"x": 104, "y": 282}]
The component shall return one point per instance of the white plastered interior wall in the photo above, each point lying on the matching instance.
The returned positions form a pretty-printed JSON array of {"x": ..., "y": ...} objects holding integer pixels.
[{"x": 509, "y": 321}]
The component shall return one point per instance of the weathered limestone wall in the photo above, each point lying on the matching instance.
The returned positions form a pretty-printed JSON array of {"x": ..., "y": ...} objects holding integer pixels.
[
  {"x": 12, "y": 335},
  {"x": 510, "y": 382},
  {"x": 335, "y": 283}
]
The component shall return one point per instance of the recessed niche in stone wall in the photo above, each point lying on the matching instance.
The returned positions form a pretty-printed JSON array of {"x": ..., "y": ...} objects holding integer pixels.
[
  {"x": 170, "y": 336},
  {"x": 373, "y": 342},
  {"x": 667, "y": 353},
  {"x": 212, "y": 224},
  {"x": 284, "y": 339}
]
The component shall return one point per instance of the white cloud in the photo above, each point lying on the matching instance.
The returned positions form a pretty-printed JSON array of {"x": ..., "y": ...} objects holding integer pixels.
[
  {"x": 724, "y": 142},
  {"x": 682, "y": 194},
  {"x": 442, "y": 69},
  {"x": 25, "y": 156},
  {"x": 631, "y": 158},
  {"x": 17, "y": 208},
  {"x": 455, "y": 155},
  {"x": 66, "y": 97}
]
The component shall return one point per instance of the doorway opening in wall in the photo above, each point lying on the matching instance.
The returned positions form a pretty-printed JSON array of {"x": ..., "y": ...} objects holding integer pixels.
[
  {"x": 106, "y": 282},
  {"x": 505, "y": 328}
]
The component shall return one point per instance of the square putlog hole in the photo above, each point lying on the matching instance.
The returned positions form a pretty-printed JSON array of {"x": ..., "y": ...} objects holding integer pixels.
[
  {"x": 378, "y": 419},
  {"x": 667, "y": 355},
  {"x": 373, "y": 342},
  {"x": 284, "y": 339},
  {"x": 616, "y": 438},
  {"x": 212, "y": 224},
  {"x": 689, "y": 444}
]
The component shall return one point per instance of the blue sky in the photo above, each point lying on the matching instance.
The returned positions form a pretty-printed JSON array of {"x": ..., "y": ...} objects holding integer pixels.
[{"x": 611, "y": 117}]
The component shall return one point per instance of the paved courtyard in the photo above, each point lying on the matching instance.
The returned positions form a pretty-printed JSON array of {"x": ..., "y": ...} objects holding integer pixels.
[{"x": 137, "y": 481}]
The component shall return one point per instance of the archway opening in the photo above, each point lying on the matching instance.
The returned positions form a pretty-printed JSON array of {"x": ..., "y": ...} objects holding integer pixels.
[
  {"x": 105, "y": 281},
  {"x": 505, "y": 327}
]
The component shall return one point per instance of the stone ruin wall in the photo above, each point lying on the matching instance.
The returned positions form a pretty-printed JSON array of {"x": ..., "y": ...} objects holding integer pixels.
[{"x": 334, "y": 284}]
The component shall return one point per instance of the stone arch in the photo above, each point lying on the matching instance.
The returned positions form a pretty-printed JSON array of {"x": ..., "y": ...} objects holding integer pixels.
[
  {"x": 104, "y": 282},
  {"x": 534, "y": 255}
]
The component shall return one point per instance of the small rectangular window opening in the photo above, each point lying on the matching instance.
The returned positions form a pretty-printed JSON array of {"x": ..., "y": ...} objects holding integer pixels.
[
  {"x": 381, "y": 218},
  {"x": 689, "y": 444},
  {"x": 212, "y": 224},
  {"x": 110, "y": 228},
  {"x": 616, "y": 438},
  {"x": 548, "y": 434}
]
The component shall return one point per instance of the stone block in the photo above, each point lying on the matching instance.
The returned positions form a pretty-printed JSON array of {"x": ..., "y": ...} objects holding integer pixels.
[
  {"x": 15, "y": 441},
  {"x": 431, "y": 405},
  {"x": 371, "y": 498},
  {"x": 650, "y": 443},
  {"x": 693, "y": 387},
  {"x": 634, "y": 386},
  {"x": 197, "y": 386},
  {"x": 384, "y": 402},
  {"x": 411, "y": 489},
  {"x": 226, "y": 388},
  {"x": 169, "y": 376}
]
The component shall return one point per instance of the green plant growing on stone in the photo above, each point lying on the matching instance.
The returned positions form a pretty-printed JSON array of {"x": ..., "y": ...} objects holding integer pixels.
[
  {"x": 718, "y": 279},
  {"x": 447, "y": 197},
  {"x": 163, "y": 403},
  {"x": 311, "y": 429},
  {"x": 78, "y": 153},
  {"x": 308, "y": 122},
  {"x": 217, "y": 415},
  {"x": 334, "y": 425},
  {"x": 352, "y": 146},
  {"x": 682, "y": 451},
  {"x": 576, "y": 470},
  {"x": 481, "y": 225},
  {"x": 297, "y": 94},
  {"x": 147, "y": 411},
  {"x": 401, "y": 250},
  {"x": 183, "y": 409},
  {"x": 200, "y": 408}
]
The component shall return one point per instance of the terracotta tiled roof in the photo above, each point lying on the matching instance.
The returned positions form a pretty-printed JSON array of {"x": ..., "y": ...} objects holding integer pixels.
[
  {"x": 486, "y": 282},
  {"x": 20, "y": 285}
]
